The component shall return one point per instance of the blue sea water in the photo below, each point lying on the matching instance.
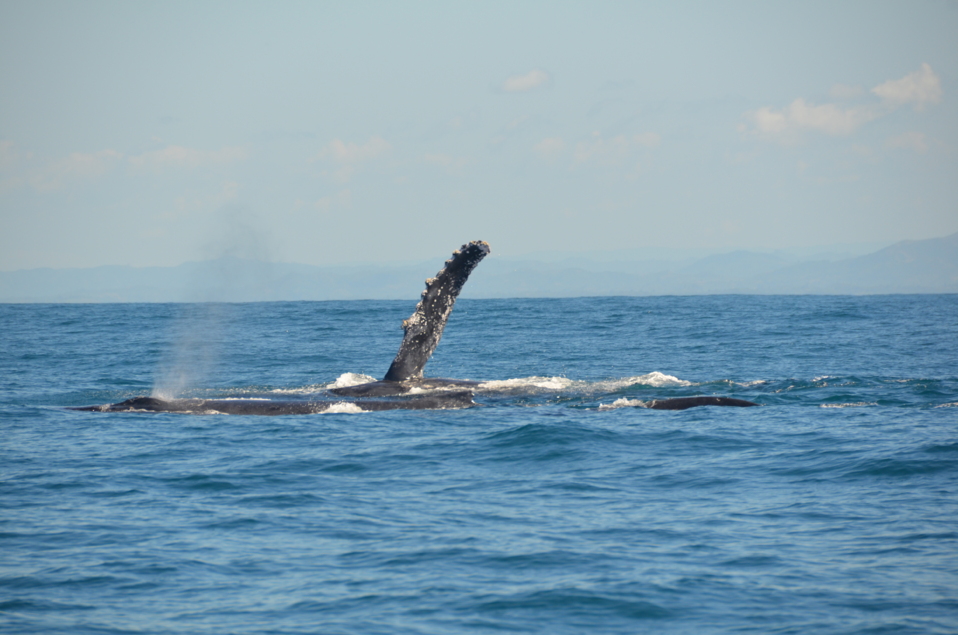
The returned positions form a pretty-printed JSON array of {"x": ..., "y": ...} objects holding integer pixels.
[{"x": 559, "y": 505}]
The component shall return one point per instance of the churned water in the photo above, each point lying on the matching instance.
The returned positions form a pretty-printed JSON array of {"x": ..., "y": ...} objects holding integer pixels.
[{"x": 559, "y": 505}]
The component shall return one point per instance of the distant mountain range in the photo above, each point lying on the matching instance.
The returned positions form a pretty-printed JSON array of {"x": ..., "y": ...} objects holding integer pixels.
[{"x": 910, "y": 266}]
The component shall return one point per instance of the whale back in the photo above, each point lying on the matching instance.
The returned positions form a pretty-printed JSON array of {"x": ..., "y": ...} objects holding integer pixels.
[{"x": 423, "y": 329}]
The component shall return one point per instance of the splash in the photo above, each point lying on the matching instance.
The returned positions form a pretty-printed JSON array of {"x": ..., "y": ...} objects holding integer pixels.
[
  {"x": 350, "y": 379},
  {"x": 856, "y": 404},
  {"x": 545, "y": 384},
  {"x": 657, "y": 380},
  {"x": 748, "y": 384},
  {"x": 300, "y": 390},
  {"x": 526, "y": 383},
  {"x": 343, "y": 408},
  {"x": 623, "y": 403}
]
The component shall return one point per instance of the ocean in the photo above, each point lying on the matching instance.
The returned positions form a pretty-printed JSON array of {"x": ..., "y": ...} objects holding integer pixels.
[{"x": 557, "y": 505}]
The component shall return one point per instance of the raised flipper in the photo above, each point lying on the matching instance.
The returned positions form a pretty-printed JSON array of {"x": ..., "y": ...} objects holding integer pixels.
[
  {"x": 424, "y": 327},
  {"x": 423, "y": 330}
]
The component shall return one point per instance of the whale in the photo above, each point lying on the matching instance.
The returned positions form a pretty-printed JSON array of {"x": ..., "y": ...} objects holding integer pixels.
[
  {"x": 442, "y": 401},
  {"x": 424, "y": 328},
  {"x": 422, "y": 333},
  {"x": 404, "y": 386},
  {"x": 684, "y": 403}
]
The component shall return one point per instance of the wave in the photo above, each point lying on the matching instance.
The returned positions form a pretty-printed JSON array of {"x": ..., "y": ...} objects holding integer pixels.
[
  {"x": 295, "y": 390},
  {"x": 344, "y": 380},
  {"x": 350, "y": 379},
  {"x": 818, "y": 390},
  {"x": 622, "y": 402},
  {"x": 857, "y": 404},
  {"x": 655, "y": 379},
  {"x": 343, "y": 408}
]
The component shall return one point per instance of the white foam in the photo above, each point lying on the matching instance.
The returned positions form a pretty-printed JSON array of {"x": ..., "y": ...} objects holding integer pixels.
[
  {"x": 654, "y": 379},
  {"x": 657, "y": 380},
  {"x": 857, "y": 404},
  {"x": 344, "y": 380},
  {"x": 622, "y": 402},
  {"x": 343, "y": 407},
  {"x": 302, "y": 390},
  {"x": 953, "y": 404},
  {"x": 350, "y": 379},
  {"x": 545, "y": 383}
]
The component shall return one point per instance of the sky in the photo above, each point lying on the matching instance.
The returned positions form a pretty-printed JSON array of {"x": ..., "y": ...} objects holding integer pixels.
[{"x": 324, "y": 133}]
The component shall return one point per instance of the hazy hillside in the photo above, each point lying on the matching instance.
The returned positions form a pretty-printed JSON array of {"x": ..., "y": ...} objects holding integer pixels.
[{"x": 911, "y": 266}]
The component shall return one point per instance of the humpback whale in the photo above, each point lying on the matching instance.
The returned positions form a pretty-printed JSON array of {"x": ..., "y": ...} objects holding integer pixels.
[
  {"x": 422, "y": 332},
  {"x": 447, "y": 400}
]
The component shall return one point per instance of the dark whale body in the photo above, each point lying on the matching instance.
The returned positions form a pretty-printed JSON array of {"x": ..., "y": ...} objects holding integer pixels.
[
  {"x": 458, "y": 399},
  {"x": 684, "y": 403},
  {"x": 422, "y": 332}
]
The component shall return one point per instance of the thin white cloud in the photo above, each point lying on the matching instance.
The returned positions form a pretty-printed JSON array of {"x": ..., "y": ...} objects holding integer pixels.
[
  {"x": 76, "y": 165},
  {"x": 8, "y": 154},
  {"x": 613, "y": 151},
  {"x": 844, "y": 92},
  {"x": 910, "y": 140},
  {"x": 343, "y": 152},
  {"x": 349, "y": 155},
  {"x": 13, "y": 174},
  {"x": 549, "y": 148},
  {"x": 341, "y": 200},
  {"x": 536, "y": 78},
  {"x": 188, "y": 158},
  {"x": 786, "y": 125},
  {"x": 647, "y": 139},
  {"x": 602, "y": 150},
  {"x": 918, "y": 88},
  {"x": 184, "y": 206},
  {"x": 46, "y": 175},
  {"x": 452, "y": 165},
  {"x": 799, "y": 115}
]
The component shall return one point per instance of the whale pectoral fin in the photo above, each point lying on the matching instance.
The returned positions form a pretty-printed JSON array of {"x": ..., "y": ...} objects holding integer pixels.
[{"x": 423, "y": 329}]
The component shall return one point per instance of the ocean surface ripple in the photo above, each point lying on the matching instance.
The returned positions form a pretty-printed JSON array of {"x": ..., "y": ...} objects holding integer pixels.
[{"x": 559, "y": 505}]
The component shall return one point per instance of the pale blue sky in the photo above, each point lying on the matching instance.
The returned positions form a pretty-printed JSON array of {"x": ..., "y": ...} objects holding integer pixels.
[{"x": 156, "y": 133}]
